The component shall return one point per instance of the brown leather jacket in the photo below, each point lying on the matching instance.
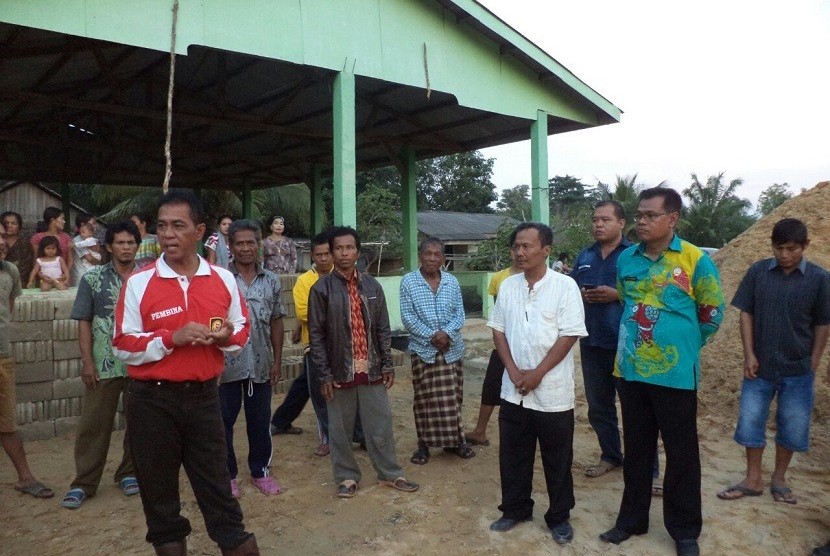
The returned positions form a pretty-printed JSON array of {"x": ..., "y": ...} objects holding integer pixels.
[{"x": 330, "y": 331}]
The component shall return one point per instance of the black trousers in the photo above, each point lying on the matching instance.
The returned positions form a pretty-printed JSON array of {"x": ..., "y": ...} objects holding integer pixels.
[
  {"x": 179, "y": 423},
  {"x": 646, "y": 410},
  {"x": 519, "y": 430},
  {"x": 491, "y": 388}
]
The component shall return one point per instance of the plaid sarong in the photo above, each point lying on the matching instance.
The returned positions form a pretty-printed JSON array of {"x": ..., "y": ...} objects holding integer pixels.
[{"x": 439, "y": 391}]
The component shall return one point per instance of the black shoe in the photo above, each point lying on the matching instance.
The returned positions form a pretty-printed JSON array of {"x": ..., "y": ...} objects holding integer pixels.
[
  {"x": 562, "y": 533},
  {"x": 687, "y": 547},
  {"x": 822, "y": 550},
  {"x": 506, "y": 524},
  {"x": 615, "y": 536}
]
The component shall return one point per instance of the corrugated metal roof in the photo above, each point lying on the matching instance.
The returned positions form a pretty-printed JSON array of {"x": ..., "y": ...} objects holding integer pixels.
[{"x": 461, "y": 226}]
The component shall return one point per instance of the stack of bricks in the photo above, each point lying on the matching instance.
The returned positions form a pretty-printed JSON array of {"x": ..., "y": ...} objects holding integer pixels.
[{"x": 44, "y": 343}]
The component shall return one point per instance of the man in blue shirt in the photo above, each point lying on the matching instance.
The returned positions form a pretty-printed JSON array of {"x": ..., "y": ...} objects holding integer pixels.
[
  {"x": 433, "y": 313},
  {"x": 595, "y": 272}
]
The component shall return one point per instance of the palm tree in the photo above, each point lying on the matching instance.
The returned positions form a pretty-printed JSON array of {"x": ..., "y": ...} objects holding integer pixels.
[{"x": 715, "y": 214}]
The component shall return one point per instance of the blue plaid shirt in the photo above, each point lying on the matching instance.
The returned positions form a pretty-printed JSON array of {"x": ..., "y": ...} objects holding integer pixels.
[{"x": 424, "y": 313}]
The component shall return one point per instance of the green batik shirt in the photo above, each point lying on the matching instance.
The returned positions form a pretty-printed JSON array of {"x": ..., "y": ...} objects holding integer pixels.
[
  {"x": 671, "y": 307},
  {"x": 95, "y": 301}
]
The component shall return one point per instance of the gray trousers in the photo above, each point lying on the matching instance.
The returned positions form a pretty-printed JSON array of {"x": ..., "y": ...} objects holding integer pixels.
[{"x": 376, "y": 417}]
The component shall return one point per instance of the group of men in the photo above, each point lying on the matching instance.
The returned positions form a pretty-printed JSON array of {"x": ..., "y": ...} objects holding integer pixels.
[{"x": 189, "y": 344}]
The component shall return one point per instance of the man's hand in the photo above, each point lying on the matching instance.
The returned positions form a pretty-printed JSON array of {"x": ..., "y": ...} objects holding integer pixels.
[
  {"x": 222, "y": 336},
  {"x": 192, "y": 333},
  {"x": 89, "y": 375},
  {"x": 514, "y": 376},
  {"x": 327, "y": 390},
  {"x": 441, "y": 341},
  {"x": 296, "y": 336},
  {"x": 600, "y": 294},
  {"x": 750, "y": 366},
  {"x": 388, "y": 379},
  {"x": 275, "y": 373}
]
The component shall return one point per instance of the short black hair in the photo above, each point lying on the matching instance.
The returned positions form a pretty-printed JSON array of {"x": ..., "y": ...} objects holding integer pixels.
[
  {"x": 789, "y": 229},
  {"x": 222, "y": 217},
  {"x": 81, "y": 219},
  {"x": 619, "y": 210},
  {"x": 122, "y": 226},
  {"x": 142, "y": 217},
  {"x": 545, "y": 233},
  {"x": 431, "y": 240},
  {"x": 340, "y": 231},
  {"x": 672, "y": 202},
  {"x": 14, "y": 215},
  {"x": 320, "y": 239},
  {"x": 562, "y": 256},
  {"x": 51, "y": 213},
  {"x": 179, "y": 197},
  {"x": 241, "y": 225},
  {"x": 45, "y": 242}
]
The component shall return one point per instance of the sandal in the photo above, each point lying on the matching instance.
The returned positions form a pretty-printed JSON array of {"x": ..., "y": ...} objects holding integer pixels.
[
  {"x": 129, "y": 486},
  {"x": 783, "y": 493},
  {"x": 657, "y": 488},
  {"x": 73, "y": 499},
  {"x": 473, "y": 441},
  {"x": 36, "y": 489},
  {"x": 738, "y": 491},
  {"x": 347, "y": 489},
  {"x": 322, "y": 450},
  {"x": 267, "y": 485},
  {"x": 235, "y": 492},
  {"x": 420, "y": 456},
  {"x": 401, "y": 484},
  {"x": 462, "y": 450},
  {"x": 287, "y": 430}
]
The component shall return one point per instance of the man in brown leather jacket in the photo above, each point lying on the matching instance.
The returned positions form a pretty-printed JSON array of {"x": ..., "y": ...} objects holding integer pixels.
[{"x": 350, "y": 340}]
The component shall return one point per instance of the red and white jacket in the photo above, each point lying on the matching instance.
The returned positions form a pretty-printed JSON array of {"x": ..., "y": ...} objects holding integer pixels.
[{"x": 156, "y": 301}]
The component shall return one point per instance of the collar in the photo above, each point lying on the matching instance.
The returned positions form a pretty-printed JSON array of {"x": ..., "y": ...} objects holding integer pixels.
[
  {"x": 342, "y": 276},
  {"x": 164, "y": 270},
  {"x": 802, "y": 266},
  {"x": 548, "y": 273},
  {"x": 258, "y": 269},
  {"x": 109, "y": 267},
  {"x": 674, "y": 245},
  {"x": 440, "y": 274},
  {"x": 624, "y": 244}
]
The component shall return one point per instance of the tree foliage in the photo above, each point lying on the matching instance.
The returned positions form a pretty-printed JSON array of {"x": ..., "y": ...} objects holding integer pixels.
[
  {"x": 515, "y": 203},
  {"x": 379, "y": 220},
  {"x": 772, "y": 197},
  {"x": 493, "y": 254},
  {"x": 715, "y": 214},
  {"x": 459, "y": 182}
]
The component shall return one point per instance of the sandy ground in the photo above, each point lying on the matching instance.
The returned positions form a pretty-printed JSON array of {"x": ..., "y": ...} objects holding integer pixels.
[{"x": 449, "y": 515}]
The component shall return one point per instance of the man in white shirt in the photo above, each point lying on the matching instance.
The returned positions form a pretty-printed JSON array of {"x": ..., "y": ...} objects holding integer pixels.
[{"x": 537, "y": 319}]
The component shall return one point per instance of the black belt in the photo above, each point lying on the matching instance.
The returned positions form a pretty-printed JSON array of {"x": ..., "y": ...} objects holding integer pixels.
[{"x": 170, "y": 384}]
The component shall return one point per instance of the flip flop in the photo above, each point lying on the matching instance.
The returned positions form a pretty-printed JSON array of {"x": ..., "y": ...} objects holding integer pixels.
[
  {"x": 657, "y": 489},
  {"x": 781, "y": 493},
  {"x": 401, "y": 484},
  {"x": 463, "y": 451},
  {"x": 73, "y": 499},
  {"x": 287, "y": 430},
  {"x": 36, "y": 489},
  {"x": 129, "y": 486},
  {"x": 741, "y": 491},
  {"x": 420, "y": 456},
  {"x": 322, "y": 450},
  {"x": 600, "y": 469},
  {"x": 347, "y": 489},
  {"x": 475, "y": 441}
]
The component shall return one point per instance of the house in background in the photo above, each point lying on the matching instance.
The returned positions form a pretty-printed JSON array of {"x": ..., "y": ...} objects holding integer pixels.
[
  {"x": 461, "y": 232},
  {"x": 30, "y": 198}
]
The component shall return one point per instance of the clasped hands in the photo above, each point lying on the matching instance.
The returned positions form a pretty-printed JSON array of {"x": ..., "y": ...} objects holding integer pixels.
[
  {"x": 525, "y": 380},
  {"x": 194, "y": 333},
  {"x": 441, "y": 341}
]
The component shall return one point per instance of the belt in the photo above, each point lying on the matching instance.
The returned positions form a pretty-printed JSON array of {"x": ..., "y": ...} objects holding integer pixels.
[{"x": 173, "y": 385}]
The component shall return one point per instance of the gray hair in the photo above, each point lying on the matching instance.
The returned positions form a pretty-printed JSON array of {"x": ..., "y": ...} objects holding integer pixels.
[
  {"x": 431, "y": 240},
  {"x": 244, "y": 224}
]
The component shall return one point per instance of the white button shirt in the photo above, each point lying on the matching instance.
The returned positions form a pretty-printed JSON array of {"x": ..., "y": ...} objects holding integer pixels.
[{"x": 532, "y": 321}]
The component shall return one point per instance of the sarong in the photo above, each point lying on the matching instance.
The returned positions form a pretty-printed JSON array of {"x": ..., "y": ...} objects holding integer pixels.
[{"x": 439, "y": 391}]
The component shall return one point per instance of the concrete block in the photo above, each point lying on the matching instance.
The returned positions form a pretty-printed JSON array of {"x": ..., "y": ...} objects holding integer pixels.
[
  {"x": 67, "y": 368},
  {"x": 34, "y": 392},
  {"x": 65, "y": 349},
  {"x": 26, "y": 331},
  {"x": 66, "y": 425},
  {"x": 68, "y": 388},
  {"x": 24, "y": 413},
  {"x": 66, "y": 329},
  {"x": 39, "y": 371},
  {"x": 32, "y": 309},
  {"x": 29, "y": 352},
  {"x": 63, "y": 307},
  {"x": 43, "y": 430}
]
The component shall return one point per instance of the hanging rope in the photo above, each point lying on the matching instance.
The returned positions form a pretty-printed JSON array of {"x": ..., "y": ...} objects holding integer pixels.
[
  {"x": 168, "y": 159},
  {"x": 426, "y": 71}
]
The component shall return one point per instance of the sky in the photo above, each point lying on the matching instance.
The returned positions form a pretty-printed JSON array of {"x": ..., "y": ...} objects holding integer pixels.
[{"x": 734, "y": 86}]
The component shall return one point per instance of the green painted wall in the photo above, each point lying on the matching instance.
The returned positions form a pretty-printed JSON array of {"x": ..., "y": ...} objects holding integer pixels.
[{"x": 383, "y": 39}]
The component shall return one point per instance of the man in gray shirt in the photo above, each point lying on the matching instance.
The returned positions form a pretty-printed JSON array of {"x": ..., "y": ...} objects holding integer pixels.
[{"x": 251, "y": 373}]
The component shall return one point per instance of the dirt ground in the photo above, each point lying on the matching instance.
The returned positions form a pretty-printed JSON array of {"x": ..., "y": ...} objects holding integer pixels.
[{"x": 449, "y": 515}]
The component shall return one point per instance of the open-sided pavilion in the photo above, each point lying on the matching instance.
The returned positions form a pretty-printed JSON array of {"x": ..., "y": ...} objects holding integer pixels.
[{"x": 271, "y": 92}]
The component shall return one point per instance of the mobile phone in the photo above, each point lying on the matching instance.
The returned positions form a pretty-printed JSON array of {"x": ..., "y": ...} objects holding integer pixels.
[{"x": 589, "y": 286}]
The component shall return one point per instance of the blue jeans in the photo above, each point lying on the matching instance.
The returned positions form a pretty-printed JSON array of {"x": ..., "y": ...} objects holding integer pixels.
[
  {"x": 601, "y": 393},
  {"x": 795, "y": 405},
  {"x": 257, "y": 398}
]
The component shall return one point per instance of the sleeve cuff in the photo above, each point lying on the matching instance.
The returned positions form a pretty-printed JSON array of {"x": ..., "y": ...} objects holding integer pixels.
[{"x": 167, "y": 340}]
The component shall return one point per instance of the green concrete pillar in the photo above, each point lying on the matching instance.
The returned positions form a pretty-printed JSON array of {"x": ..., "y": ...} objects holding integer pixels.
[
  {"x": 345, "y": 174},
  {"x": 316, "y": 199},
  {"x": 409, "y": 210},
  {"x": 66, "y": 207},
  {"x": 247, "y": 198},
  {"x": 540, "y": 208}
]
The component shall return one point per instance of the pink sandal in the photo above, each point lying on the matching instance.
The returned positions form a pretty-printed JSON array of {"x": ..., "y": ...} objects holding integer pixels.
[
  {"x": 235, "y": 489},
  {"x": 267, "y": 485}
]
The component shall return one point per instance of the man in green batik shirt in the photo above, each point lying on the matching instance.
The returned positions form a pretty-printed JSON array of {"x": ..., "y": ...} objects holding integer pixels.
[{"x": 102, "y": 373}]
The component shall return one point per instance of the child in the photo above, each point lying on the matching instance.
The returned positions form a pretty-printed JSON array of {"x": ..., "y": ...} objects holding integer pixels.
[
  {"x": 87, "y": 251},
  {"x": 785, "y": 322},
  {"x": 49, "y": 266}
]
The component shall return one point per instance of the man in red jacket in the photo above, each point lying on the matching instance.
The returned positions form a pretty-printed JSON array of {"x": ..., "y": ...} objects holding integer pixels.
[{"x": 173, "y": 323}]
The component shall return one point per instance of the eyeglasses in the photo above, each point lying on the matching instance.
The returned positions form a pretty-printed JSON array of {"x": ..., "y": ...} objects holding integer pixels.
[{"x": 648, "y": 216}]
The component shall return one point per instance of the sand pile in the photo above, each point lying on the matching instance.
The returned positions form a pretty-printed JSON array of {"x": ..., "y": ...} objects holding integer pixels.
[{"x": 722, "y": 360}]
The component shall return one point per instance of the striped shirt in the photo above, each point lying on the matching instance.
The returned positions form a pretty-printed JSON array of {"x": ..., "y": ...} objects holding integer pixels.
[{"x": 785, "y": 308}]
